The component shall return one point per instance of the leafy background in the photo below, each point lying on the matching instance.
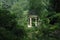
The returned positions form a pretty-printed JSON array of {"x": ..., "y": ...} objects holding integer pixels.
[{"x": 14, "y": 19}]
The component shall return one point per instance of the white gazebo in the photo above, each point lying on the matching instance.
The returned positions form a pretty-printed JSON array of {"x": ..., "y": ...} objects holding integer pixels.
[{"x": 32, "y": 19}]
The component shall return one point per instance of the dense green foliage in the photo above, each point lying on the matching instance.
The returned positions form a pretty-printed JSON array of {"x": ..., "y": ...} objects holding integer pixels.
[
  {"x": 14, "y": 19},
  {"x": 9, "y": 27},
  {"x": 49, "y": 19}
]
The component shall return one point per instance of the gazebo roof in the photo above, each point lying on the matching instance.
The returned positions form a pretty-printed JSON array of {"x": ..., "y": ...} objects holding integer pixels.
[
  {"x": 32, "y": 12},
  {"x": 33, "y": 16}
]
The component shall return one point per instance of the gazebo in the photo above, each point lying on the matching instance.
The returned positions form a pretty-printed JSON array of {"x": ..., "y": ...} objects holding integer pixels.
[{"x": 32, "y": 18}]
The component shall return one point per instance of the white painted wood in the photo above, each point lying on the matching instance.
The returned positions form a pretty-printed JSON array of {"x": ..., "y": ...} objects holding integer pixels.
[{"x": 30, "y": 22}]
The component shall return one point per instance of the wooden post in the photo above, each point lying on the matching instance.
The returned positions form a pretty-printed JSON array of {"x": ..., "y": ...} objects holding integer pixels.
[
  {"x": 31, "y": 22},
  {"x": 35, "y": 21}
]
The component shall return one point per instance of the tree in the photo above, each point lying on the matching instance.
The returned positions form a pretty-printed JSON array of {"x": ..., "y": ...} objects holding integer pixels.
[
  {"x": 8, "y": 26},
  {"x": 49, "y": 21}
]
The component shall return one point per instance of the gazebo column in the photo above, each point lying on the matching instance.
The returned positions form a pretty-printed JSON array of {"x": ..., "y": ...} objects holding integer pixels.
[
  {"x": 36, "y": 21},
  {"x": 30, "y": 21}
]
